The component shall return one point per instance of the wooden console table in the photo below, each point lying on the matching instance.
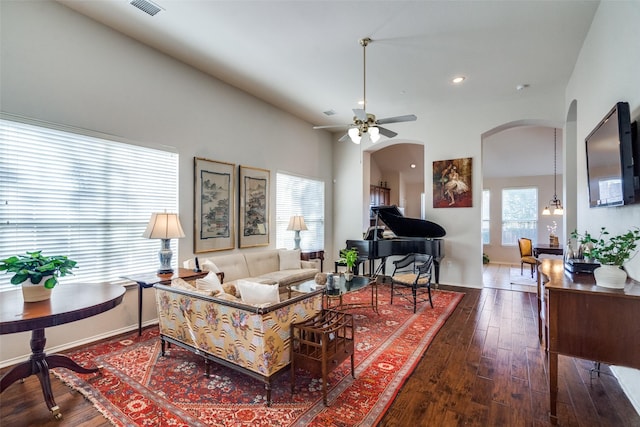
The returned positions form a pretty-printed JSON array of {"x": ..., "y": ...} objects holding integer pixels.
[
  {"x": 147, "y": 280},
  {"x": 68, "y": 303},
  {"x": 587, "y": 321}
]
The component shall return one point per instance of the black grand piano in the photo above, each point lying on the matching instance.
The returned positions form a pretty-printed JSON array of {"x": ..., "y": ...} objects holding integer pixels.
[{"x": 412, "y": 236}]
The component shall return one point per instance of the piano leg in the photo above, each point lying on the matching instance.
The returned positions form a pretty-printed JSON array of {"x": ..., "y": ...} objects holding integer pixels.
[{"x": 436, "y": 268}]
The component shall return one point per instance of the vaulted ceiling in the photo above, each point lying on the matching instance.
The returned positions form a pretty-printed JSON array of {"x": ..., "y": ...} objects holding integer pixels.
[{"x": 304, "y": 56}]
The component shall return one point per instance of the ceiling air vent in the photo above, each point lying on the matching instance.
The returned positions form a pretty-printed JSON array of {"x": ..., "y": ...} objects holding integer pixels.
[{"x": 146, "y": 6}]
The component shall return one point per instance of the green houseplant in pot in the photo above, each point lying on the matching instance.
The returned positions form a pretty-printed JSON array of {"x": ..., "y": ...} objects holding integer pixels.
[
  {"x": 349, "y": 257},
  {"x": 37, "y": 273},
  {"x": 611, "y": 252}
]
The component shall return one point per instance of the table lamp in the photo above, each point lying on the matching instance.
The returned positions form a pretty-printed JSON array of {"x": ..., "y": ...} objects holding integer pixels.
[
  {"x": 164, "y": 226},
  {"x": 296, "y": 223}
]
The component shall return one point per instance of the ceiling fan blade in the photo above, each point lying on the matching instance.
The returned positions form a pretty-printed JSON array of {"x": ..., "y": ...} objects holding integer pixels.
[
  {"x": 397, "y": 119},
  {"x": 344, "y": 138},
  {"x": 331, "y": 126},
  {"x": 386, "y": 132},
  {"x": 360, "y": 114}
]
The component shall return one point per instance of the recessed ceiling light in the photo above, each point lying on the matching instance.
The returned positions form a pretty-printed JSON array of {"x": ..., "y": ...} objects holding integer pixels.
[
  {"x": 522, "y": 86},
  {"x": 413, "y": 165},
  {"x": 458, "y": 80}
]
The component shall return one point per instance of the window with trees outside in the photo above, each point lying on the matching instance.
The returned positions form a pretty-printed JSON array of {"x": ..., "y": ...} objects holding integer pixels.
[
  {"x": 519, "y": 215},
  {"x": 67, "y": 192},
  {"x": 296, "y": 195}
]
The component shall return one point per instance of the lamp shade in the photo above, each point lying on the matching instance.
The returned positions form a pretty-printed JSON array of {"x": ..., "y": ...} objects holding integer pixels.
[
  {"x": 296, "y": 223},
  {"x": 163, "y": 226}
]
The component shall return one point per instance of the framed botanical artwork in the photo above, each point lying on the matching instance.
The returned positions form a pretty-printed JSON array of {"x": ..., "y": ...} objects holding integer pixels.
[
  {"x": 253, "y": 219},
  {"x": 214, "y": 193},
  {"x": 452, "y": 183}
]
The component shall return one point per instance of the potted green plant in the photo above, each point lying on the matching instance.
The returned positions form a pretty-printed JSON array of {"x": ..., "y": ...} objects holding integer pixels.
[
  {"x": 348, "y": 257},
  {"x": 37, "y": 273},
  {"x": 611, "y": 252}
]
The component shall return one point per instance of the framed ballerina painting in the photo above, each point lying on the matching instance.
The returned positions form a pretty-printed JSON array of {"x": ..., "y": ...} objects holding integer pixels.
[{"x": 452, "y": 183}]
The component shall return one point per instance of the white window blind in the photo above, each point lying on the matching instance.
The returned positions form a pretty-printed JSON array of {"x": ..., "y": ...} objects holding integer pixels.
[
  {"x": 296, "y": 195},
  {"x": 86, "y": 197}
]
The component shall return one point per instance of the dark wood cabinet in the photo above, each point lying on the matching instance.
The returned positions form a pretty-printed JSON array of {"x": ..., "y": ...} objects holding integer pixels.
[{"x": 380, "y": 196}]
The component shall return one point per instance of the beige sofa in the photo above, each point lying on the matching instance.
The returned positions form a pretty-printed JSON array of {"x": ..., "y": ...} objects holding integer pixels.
[
  {"x": 271, "y": 266},
  {"x": 254, "y": 340}
]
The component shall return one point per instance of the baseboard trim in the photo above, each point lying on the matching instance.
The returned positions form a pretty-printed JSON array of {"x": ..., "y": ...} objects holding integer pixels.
[{"x": 78, "y": 343}]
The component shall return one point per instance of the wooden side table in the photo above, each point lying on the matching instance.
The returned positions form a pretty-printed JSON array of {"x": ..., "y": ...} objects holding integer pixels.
[
  {"x": 307, "y": 256},
  {"x": 68, "y": 303},
  {"x": 321, "y": 344},
  {"x": 147, "y": 280}
]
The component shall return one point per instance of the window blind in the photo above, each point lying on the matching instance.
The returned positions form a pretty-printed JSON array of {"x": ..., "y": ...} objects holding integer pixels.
[
  {"x": 90, "y": 198},
  {"x": 297, "y": 195}
]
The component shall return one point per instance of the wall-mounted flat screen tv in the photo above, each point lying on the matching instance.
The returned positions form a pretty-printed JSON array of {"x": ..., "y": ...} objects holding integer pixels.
[{"x": 610, "y": 160}]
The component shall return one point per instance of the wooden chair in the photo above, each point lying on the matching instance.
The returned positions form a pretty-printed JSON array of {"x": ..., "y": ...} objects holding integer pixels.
[
  {"x": 408, "y": 273},
  {"x": 526, "y": 255}
]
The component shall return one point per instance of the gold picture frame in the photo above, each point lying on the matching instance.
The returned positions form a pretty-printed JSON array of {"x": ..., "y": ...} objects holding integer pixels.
[
  {"x": 253, "y": 215},
  {"x": 214, "y": 195}
]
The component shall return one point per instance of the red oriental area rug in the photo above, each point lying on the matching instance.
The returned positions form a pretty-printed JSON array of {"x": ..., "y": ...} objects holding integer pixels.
[{"x": 138, "y": 387}]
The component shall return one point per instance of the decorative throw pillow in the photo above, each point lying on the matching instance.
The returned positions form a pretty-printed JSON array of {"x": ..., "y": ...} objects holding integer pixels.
[
  {"x": 208, "y": 265},
  {"x": 210, "y": 282},
  {"x": 258, "y": 294},
  {"x": 186, "y": 286},
  {"x": 230, "y": 289},
  {"x": 290, "y": 259},
  {"x": 182, "y": 284}
]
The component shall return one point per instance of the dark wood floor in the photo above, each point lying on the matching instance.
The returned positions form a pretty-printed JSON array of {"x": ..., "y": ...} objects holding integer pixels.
[{"x": 485, "y": 367}]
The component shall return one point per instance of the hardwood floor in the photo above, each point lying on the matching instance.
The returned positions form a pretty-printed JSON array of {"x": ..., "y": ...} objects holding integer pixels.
[{"x": 485, "y": 367}]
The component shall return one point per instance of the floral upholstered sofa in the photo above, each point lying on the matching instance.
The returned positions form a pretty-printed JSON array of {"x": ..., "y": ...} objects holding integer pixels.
[
  {"x": 252, "y": 339},
  {"x": 273, "y": 266}
]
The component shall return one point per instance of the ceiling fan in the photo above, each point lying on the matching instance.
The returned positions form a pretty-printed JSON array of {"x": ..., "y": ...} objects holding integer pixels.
[{"x": 365, "y": 124}]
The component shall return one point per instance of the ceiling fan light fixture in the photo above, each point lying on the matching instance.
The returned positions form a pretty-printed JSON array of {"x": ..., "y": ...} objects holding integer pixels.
[
  {"x": 354, "y": 134},
  {"x": 374, "y": 134}
]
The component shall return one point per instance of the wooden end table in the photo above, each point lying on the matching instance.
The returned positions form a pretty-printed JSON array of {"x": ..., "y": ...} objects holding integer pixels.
[{"x": 147, "y": 280}]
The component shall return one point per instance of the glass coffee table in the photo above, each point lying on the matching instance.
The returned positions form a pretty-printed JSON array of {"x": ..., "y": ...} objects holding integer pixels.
[{"x": 334, "y": 292}]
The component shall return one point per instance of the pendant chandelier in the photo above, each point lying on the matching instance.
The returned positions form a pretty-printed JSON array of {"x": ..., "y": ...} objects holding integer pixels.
[{"x": 555, "y": 202}]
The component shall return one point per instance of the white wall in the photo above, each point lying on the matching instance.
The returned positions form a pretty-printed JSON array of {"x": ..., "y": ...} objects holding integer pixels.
[
  {"x": 607, "y": 71},
  {"x": 61, "y": 67}
]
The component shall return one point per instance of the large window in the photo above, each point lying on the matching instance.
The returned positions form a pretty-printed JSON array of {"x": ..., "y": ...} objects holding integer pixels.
[
  {"x": 296, "y": 195},
  {"x": 519, "y": 215},
  {"x": 67, "y": 193},
  {"x": 486, "y": 217}
]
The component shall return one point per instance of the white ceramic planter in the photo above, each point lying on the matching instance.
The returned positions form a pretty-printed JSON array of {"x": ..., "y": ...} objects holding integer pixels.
[
  {"x": 34, "y": 292},
  {"x": 610, "y": 276}
]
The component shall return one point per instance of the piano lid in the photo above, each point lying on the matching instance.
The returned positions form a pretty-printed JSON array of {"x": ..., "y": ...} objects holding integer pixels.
[{"x": 407, "y": 227}]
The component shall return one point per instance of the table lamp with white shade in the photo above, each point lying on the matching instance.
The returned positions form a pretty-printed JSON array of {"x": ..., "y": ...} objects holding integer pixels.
[
  {"x": 296, "y": 223},
  {"x": 164, "y": 226}
]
